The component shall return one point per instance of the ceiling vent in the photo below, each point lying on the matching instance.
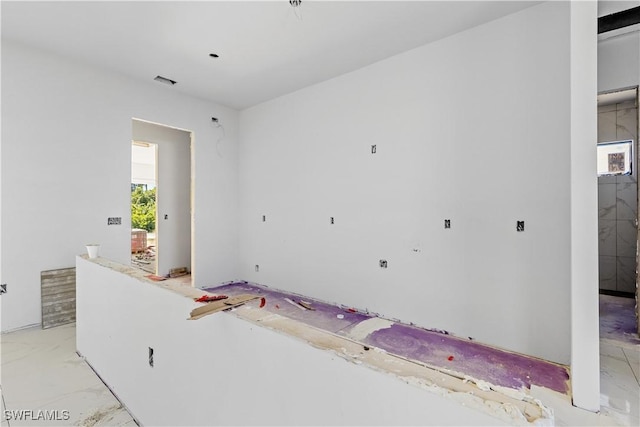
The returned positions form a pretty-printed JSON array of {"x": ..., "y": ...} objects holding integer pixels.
[{"x": 165, "y": 80}]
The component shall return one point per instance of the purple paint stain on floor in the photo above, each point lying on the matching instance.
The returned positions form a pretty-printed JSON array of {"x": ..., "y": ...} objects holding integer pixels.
[
  {"x": 618, "y": 319},
  {"x": 498, "y": 367}
]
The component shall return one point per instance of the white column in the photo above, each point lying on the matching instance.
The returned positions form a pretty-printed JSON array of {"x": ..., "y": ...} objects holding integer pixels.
[{"x": 585, "y": 354}]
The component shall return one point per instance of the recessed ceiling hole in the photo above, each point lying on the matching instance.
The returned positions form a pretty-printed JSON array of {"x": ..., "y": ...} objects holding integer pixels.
[{"x": 165, "y": 80}]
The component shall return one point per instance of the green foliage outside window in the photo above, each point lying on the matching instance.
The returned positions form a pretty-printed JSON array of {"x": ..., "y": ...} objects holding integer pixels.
[{"x": 143, "y": 209}]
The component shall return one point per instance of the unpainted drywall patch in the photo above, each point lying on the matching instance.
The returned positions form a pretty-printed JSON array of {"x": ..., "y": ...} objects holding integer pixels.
[{"x": 367, "y": 327}]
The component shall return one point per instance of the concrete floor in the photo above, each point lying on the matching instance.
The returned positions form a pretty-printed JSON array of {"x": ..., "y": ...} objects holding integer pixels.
[{"x": 41, "y": 371}]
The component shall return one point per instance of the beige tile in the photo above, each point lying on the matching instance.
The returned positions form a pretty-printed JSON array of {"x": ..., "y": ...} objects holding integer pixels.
[
  {"x": 607, "y": 201},
  {"x": 41, "y": 371},
  {"x": 626, "y": 238},
  {"x": 626, "y": 105},
  {"x": 117, "y": 416},
  {"x": 613, "y": 351},
  {"x": 607, "y": 237},
  {"x": 619, "y": 391},
  {"x": 607, "y": 126},
  {"x": 606, "y": 108},
  {"x": 625, "y": 179},
  {"x": 607, "y": 272},
  {"x": 626, "y": 274},
  {"x": 626, "y": 201},
  {"x": 627, "y": 124},
  {"x": 633, "y": 357},
  {"x": 3, "y": 408},
  {"x": 607, "y": 179}
]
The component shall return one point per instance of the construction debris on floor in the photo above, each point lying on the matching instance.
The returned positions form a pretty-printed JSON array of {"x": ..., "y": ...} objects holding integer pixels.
[{"x": 145, "y": 259}]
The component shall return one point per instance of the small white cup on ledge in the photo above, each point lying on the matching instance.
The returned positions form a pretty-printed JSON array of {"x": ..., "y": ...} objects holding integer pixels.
[{"x": 93, "y": 249}]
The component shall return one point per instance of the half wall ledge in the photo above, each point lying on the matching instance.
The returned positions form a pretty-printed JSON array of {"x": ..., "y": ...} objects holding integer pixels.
[{"x": 279, "y": 359}]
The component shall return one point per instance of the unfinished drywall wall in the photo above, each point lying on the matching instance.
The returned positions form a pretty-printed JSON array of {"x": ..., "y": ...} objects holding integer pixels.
[
  {"x": 473, "y": 129},
  {"x": 618, "y": 51},
  {"x": 619, "y": 62},
  {"x": 66, "y": 168},
  {"x": 173, "y": 197},
  {"x": 223, "y": 370},
  {"x": 585, "y": 344}
]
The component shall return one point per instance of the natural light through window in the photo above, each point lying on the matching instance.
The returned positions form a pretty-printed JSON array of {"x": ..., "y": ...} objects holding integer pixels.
[{"x": 614, "y": 158}]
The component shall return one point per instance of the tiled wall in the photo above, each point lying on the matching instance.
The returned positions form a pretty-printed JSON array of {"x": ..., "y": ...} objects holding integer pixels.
[{"x": 618, "y": 203}]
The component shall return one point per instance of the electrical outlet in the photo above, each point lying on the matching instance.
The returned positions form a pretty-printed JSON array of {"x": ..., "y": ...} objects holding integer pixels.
[
  {"x": 373, "y": 149},
  {"x": 151, "y": 357},
  {"x": 3, "y": 288},
  {"x": 114, "y": 220},
  {"x": 447, "y": 223},
  {"x": 383, "y": 263},
  {"x": 520, "y": 226}
]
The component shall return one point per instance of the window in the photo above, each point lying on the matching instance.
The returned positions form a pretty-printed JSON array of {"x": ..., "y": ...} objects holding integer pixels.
[{"x": 615, "y": 158}]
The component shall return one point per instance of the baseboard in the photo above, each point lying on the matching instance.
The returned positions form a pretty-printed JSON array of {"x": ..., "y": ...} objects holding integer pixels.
[{"x": 617, "y": 293}]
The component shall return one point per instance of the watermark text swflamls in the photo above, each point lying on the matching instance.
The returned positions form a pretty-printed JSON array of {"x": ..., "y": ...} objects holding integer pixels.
[{"x": 37, "y": 415}]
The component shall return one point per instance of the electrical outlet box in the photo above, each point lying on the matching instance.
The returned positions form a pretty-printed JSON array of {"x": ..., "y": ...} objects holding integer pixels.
[
  {"x": 151, "y": 357},
  {"x": 331, "y": 220},
  {"x": 520, "y": 226},
  {"x": 3, "y": 288},
  {"x": 383, "y": 263},
  {"x": 257, "y": 268},
  {"x": 447, "y": 223},
  {"x": 114, "y": 220},
  {"x": 374, "y": 149}
]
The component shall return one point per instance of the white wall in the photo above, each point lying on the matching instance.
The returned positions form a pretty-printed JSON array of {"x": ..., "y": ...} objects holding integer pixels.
[
  {"x": 222, "y": 370},
  {"x": 619, "y": 62},
  {"x": 173, "y": 197},
  {"x": 618, "y": 56},
  {"x": 474, "y": 128},
  {"x": 143, "y": 165},
  {"x": 66, "y": 167}
]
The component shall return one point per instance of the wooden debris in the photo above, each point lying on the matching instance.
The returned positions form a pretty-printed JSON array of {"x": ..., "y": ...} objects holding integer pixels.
[{"x": 216, "y": 306}]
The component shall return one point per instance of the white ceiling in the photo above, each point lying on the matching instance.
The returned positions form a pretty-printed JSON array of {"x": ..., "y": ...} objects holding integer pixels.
[{"x": 266, "y": 48}]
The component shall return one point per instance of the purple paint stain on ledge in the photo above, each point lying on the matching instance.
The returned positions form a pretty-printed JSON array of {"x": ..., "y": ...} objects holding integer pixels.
[
  {"x": 498, "y": 367},
  {"x": 432, "y": 348},
  {"x": 324, "y": 316}
]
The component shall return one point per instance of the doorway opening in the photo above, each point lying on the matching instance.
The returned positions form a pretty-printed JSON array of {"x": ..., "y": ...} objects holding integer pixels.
[
  {"x": 618, "y": 214},
  {"x": 164, "y": 200},
  {"x": 143, "y": 205}
]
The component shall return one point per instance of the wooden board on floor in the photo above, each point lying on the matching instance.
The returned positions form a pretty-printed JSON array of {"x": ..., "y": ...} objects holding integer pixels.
[{"x": 58, "y": 295}]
